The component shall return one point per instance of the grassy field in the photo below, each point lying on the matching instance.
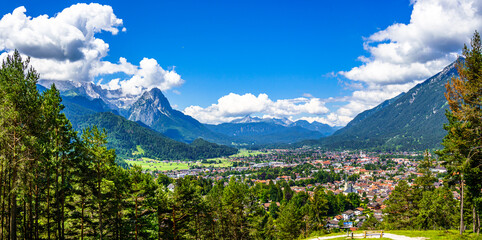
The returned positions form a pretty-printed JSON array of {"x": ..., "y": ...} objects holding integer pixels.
[
  {"x": 224, "y": 163},
  {"x": 139, "y": 151},
  {"x": 153, "y": 165},
  {"x": 437, "y": 234},
  {"x": 247, "y": 153}
]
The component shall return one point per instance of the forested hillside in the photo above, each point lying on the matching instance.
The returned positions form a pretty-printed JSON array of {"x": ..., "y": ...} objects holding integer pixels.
[
  {"x": 410, "y": 121},
  {"x": 126, "y": 136},
  {"x": 264, "y": 132}
]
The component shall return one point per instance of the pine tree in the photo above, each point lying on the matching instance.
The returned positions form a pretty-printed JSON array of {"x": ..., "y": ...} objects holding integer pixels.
[
  {"x": 462, "y": 151},
  {"x": 102, "y": 160},
  {"x": 426, "y": 181},
  {"x": 318, "y": 209},
  {"x": 19, "y": 114},
  {"x": 58, "y": 147},
  {"x": 401, "y": 207}
]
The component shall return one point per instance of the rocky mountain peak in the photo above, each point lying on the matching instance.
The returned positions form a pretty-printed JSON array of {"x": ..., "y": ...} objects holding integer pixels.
[
  {"x": 247, "y": 119},
  {"x": 156, "y": 98},
  {"x": 149, "y": 107}
]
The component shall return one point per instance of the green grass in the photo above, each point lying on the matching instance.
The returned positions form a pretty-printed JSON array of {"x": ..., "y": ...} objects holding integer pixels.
[
  {"x": 139, "y": 151},
  {"x": 342, "y": 234},
  {"x": 224, "y": 163},
  {"x": 436, "y": 234},
  {"x": 153, "y": 165},
  {"x": 247, "y": 153}
]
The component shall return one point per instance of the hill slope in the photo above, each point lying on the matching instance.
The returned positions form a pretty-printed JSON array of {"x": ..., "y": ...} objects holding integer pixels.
[
  {"x": 127, "y": 137},
  {"x": 410, "y": 121}
]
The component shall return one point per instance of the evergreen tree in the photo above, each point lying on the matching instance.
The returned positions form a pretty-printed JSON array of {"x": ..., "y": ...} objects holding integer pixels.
[
  {"x": 437, "y": 210},
  {"x": 463, "y": 143},
  {"x": 401, "y": 207},
  {"x": 101, "y": 161},
  {"x": 318, "y": 209},
  {"x": 19, "y": 114},
  {"x": 426, "y": 181}
]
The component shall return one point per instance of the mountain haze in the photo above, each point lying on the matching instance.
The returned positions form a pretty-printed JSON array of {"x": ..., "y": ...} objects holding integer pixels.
[{"x": 271, "y": 130}]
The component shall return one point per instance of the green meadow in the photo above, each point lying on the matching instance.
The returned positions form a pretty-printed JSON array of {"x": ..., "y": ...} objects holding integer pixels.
[{"x": 150, "y": 164}]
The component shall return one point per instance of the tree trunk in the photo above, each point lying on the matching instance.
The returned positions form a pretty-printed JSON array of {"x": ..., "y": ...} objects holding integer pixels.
[
  {"x": 462, "y": 205},
  {"x": 474, "y": 219},
  {"x": 158, "y": 222},
  {"x": 13, "y": 197},
  {"x": 2, "y": 191},
  {"x": 99, "y": 198},
  {"x": 30, "y": 209},
  {"x": 9, "y": 205},
  {"x": 82, "y": 219},
  {"x": 62, "y": 198},
  {"x": 174, "y": 222},
  {"x": 478, "y": 224},
  {"x": 48, "y": 202},
  {"x": 25, "y": 227},
  {"x": 37, "y": 206},
  {"x": 136, "y": 219},
  {"x": 57, "y": 203},
  {"x": 13, "y": 217}
]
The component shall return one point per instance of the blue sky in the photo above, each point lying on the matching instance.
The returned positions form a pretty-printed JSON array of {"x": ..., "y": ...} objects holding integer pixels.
[{"x": 303, "y": 57}]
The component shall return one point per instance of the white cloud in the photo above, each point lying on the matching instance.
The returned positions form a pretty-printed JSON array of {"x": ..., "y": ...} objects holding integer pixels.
[
  {"x": 364, "y": 99},
  {"x": 233, "y": 106},
  {"x": 64, "y": 47},
  {"x": 150, "y": 75},
  {"x": 402, "y": 55},
  {"x": 406, "y": 52}
]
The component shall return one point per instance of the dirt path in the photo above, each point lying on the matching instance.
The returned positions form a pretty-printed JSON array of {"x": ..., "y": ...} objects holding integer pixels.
[{"x": 385, "y": 235}]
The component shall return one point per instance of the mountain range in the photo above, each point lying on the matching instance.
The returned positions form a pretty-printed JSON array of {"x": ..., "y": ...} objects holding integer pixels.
[
  {"x": 151, "y": 116},
  {"x": 271, "y": 130},
  {"x": 410, "y": 121}
]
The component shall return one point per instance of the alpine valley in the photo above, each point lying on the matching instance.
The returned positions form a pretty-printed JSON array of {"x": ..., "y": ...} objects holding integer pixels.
[
  {"x": 409, "y": 121},
  {"x": 147, "y": 125}
]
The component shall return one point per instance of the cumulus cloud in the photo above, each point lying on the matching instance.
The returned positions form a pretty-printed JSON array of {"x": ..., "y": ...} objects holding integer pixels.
[
  {"x": 233, "y": 106},
  {"x": 65, "y": 47},
  {"x": 148, "y": 75},
  {"x": 362, "y": 100},
  {"x": 403, "y": 55}
]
